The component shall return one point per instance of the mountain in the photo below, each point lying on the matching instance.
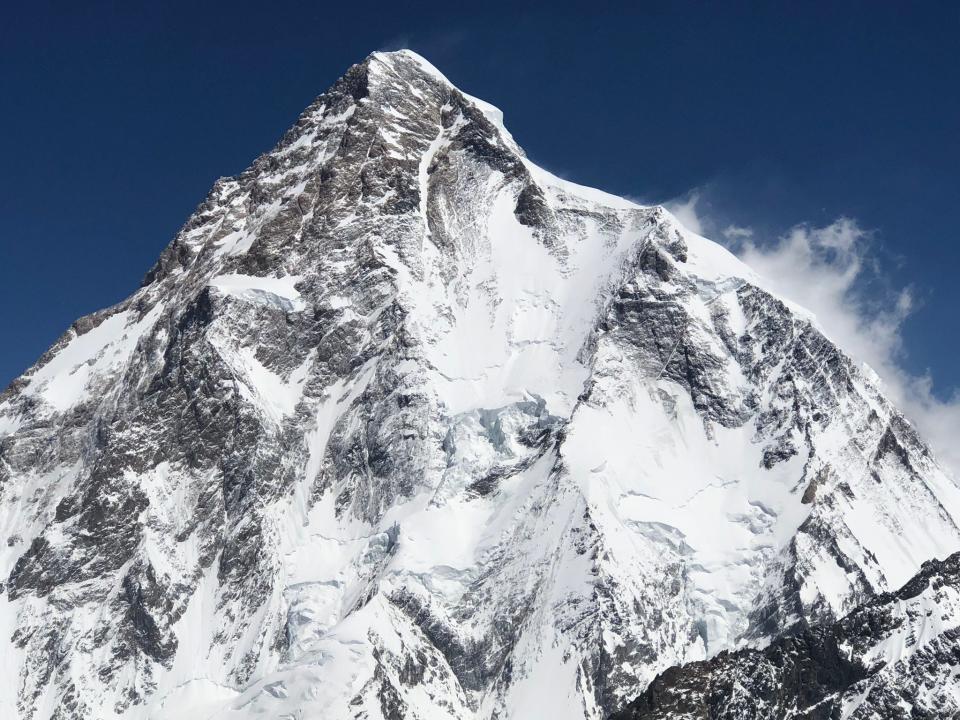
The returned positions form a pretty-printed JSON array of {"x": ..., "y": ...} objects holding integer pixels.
[
  {"x": 400, "y": 425},
  {"x": 896, "y": 656}
]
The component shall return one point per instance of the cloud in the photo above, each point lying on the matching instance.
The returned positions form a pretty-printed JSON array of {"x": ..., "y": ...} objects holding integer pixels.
[
  {"x": 735, "y": 233},
  {"x": 938, "y": 421},
  {"x": 829, "y": 270},
  {"x": 818, "y": 268},
  {"x": 825, "y": 269},
  {"x": 435, "y": 46},
  {"x": 685, "y": 210},
  {"x": 697, "y": 213},
  {"x": 397, "y": 42}
]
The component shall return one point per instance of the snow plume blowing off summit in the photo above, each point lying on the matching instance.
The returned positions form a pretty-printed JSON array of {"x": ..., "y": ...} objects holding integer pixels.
[{"x": 402, "y": 426}]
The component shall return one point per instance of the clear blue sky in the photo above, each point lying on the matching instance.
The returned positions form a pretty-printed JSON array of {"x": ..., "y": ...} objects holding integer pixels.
[{"x": 117, "y": 117}]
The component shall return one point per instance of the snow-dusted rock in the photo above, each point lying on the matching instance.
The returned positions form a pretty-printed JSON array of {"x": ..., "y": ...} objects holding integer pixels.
[{"x": 896, "y": 656}]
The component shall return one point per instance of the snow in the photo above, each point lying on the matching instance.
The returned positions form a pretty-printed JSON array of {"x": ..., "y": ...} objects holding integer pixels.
[
  {"x": 197, "y": 699},
  {"x": 9, "y": 422},
  {"x": 524, "y": 318},
  {"x": 278, "y": 397},
  {"x": 709, "y": 498},
  {"x": 64, "y": 379},
  {"x": 589, "y": 194},
  {"x": 490, "y": 112},
  {"x": 11, "y": 659},
  {"x": 551, "y": 690},
  {"x": 280, "y": 291},
  {"x": 425, "y": 65},
  {"x": 241, "y": 238}
]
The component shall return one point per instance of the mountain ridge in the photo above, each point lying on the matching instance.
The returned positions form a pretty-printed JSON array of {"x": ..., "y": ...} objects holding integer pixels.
[{"x": 894, "y": 656}]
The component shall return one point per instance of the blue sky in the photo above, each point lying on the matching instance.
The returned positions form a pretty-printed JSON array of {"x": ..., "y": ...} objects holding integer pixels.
[{"x": 752, "y": 118}]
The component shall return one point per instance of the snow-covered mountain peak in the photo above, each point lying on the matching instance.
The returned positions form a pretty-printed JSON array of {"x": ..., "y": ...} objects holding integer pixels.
[
  {"x": 404, "y": 62},
  {"x": 399, "y": 64},
  {"x": 402, "y": 425}
]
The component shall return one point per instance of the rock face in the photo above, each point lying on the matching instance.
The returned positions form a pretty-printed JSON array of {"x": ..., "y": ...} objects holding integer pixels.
[
  {"x": 896, "y": 656},
  {"x": 402, "y": 426}
]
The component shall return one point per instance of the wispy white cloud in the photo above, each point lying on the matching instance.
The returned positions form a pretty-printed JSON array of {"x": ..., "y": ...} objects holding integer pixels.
[
  {"x": 685, "y": 210},
  {"x": 825, "y": 269},
  {"x": 819, "y": 268},
  {"x": 397, "y": 42},
  {"x": 736, "y": 233}
]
